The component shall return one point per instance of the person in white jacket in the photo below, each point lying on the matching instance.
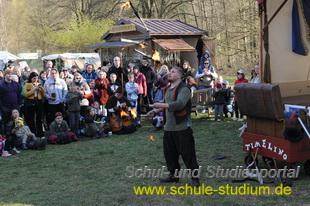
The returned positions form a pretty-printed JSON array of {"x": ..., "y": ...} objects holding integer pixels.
[{"x": 55, "y": 91}]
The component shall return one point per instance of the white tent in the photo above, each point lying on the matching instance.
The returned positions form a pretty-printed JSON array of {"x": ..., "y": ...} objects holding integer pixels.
[
  {"x": 288, "y": 69},
  {"x": 69, "y": 59},
  {"x": 5, "y": 56}
]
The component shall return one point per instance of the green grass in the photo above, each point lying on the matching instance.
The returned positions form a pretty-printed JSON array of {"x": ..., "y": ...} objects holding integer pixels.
[{"x": 92, "y": 171}]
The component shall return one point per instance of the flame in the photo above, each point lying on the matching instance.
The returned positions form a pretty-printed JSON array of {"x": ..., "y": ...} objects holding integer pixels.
[
  {"x": 151, "y": 139},
  {"x": 123, "y": 113},
  {"x": 125, "y": 6},
  {"x": 156, "y": 56},
  {"x": 133, "y": 113}
]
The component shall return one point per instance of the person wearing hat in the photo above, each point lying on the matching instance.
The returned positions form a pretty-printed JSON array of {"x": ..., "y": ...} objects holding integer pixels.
[
  {"x": 23, "y": 133},
  {"x": 67, "y": 76},
  {"x": 178, "y": 136},
  {"x": 75, "y": 68},
  {"x": 8, "y": 65},
  {"x": 10, "y": 97},
  {"x": 240, "y": 79}
]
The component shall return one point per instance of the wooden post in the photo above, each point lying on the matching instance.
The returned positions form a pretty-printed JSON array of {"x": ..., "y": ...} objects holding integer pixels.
[
  {"x": 260, "y": 52},
  {"x": 122, "y": 75}
]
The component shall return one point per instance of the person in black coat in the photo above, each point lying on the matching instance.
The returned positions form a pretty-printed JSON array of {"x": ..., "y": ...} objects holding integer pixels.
[{"x": 149, "y": 73}]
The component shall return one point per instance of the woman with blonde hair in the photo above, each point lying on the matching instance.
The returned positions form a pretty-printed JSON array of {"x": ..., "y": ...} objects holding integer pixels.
[
  {"x": 84, "y": 89},
  {"x": 160, "y": 83},
  {"x": 164, "y": 70}
]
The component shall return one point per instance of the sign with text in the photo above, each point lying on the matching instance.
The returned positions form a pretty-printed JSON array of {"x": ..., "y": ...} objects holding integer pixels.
[{"x": 123, "y": 28}]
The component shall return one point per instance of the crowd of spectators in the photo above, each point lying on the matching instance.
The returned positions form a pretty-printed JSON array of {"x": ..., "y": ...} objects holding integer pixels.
[{"x": 57, "y": 106}]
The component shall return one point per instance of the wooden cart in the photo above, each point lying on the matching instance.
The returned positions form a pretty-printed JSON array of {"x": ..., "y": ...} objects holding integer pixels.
[{"x": 266, "y": 125}]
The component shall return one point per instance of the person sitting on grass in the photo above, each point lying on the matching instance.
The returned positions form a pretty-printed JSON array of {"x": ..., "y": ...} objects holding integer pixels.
[
  {"x": 59, "y": 131},
  {"x": 26, "y": 137},
  {"x": 120, "y": 119},
  {"x": 93, "y": 128},
  {"x": 158, "y": 122},
  {"x": 11, "y": 141}
]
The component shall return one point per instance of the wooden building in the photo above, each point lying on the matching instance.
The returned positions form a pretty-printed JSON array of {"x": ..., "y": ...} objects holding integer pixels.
[{"x": 165, "y": 41}]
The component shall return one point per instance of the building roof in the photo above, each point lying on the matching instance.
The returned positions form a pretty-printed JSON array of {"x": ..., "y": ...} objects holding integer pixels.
[
  {"x": 112, "y": 44},
  {"x": 161, "y": 27}
]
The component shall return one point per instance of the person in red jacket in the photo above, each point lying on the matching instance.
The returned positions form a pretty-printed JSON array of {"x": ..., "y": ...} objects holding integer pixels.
[
  {"x": 142, "y": 87},
  {"x": 240, "y": 79}
]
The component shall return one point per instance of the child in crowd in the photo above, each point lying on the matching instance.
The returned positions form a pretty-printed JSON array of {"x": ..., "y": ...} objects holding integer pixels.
[
  {"x": 158, "y": 122},
  {"x": 73, "y": 102},
  {"x": 42, "y": 77},
  {"x": 15, "y": 78},
  {"x": 240, "y": 79},
  {"x": 219, "y": 96},
  {"x": 229, "y": 99},
  {"x": 113, "y": 85},
  {"x": 95, "y": 91},
  {"x": 192, "y": 84},
  {"x": 98, "y": 111},
  {"x": 102, "y": 85},
  {"x": 219, "y": 81},
  {"x": 23, "y": 133},
  {"x": 205, "y": 56},
  {"x": 93, "y": 128},
  {"x": 132, "y": 90},
  {"x": 59, "y": 131}
]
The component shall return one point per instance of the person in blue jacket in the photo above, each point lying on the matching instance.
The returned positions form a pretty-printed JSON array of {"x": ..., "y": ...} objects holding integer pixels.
[{"x": 90, "y": 73}]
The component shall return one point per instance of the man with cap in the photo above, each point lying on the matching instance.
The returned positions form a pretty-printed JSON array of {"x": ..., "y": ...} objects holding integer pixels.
[
  {"x": 178, "y": 135},
  {"x": 10, "y": 95},
  {"x": 67, "y": 76},
  {"x": 8, "y": 65},
  {"x": 240, "y": 79}
]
